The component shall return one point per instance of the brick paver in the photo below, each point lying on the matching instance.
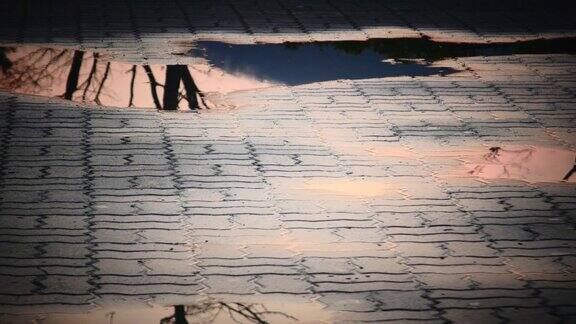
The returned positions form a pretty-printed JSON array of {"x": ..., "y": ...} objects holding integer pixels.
[{"x": 140, "y": 29}]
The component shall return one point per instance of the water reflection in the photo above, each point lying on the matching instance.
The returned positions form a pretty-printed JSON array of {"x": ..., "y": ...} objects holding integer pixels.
[
  {"x": 530, "y": 164},
  {"x": 94, "y": 78},
  {"x": 295, "y": 64},
  {"x": 89, "y": 77},
  {"x": 301, "y": 63},
  {"x": 212, "y": 311}
]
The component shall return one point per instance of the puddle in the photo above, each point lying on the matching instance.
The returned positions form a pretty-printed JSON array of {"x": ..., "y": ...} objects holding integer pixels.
[
  {"x": 276, "y": 309},
  {"x": 529, "y": 164},
  {"x": 220, "y": 68},
  {"x": 218, "y": 311},
  {"x": 532, "y": 164},
  {"x": 301, "y": 63},
  {"x": 94, "y": 78}
]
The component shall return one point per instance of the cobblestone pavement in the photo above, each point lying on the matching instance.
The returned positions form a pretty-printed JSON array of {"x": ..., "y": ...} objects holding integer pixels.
[
  {"x": 140, "y": 29},
  {"x": 348, "y": 196}
]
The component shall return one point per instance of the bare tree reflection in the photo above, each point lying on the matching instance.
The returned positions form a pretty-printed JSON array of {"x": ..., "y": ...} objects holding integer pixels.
[
  {"x": 570, "y": 173},
  {"x": 175, "y": 74},
  {"x": 5, "y": 63},
  {"x": 153, "y": 85},
  {"x": 44, "y": 71},
  {"x": 211, "y": 309},
  {"x": 90, "y": 75},
  {"x": 102, "y": 81},
  {"x": 179, "y": 315},
  {"x": 132, "y": 81},
  {"x": 33, "y": 70},
  {"x": 73, "y": 75}
]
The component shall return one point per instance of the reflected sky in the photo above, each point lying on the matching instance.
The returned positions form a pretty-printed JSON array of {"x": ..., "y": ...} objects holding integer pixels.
[
  {"x": 86, "y": 77},
  {"x": 247, "y": 309},
  {"x": 95, "y": 78},
  {"x": 291, "y": 64},
  {"x": 302, "y": 63},
  {"x": 529, "y": 164}
]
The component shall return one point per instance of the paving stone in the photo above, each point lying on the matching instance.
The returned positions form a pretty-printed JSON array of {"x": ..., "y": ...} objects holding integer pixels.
[
  {"x": 559, "y": 296},
  {"x": 24, "y": 285},
  {"x": 354, "y": 302},
  {"x": 66, "y": 285},
  {"x": 241, "y": 285},
  {"x": 527, "y": 316},
  {"x": 542, "y": 265},
  {"x": 408, "y": 300},
  {"x": 471, "y": 316},
  {"x": 271, "y": 283},
  {"x": 113, "y": 206},
  {"x": 504, "y": 302},
  {"x": 327, "y": 265}
]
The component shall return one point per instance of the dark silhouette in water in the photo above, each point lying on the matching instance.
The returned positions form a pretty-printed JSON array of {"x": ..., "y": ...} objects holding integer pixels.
[
  {"x": 180, "y": 314},
  {"x": 44, "y": 70},
  {"x": 531, "y": 164},
  {"x": 252, "y": 313},
  {"x": 5, "y": 63},
  {"x": 496, "y": 149},
  {"x": 132, "y": 81},
  {"x": 153, "y": 85},
  {"x": 570, "y": 173},
  {"x": 175, "y": 74},
  {"x": 73, "y": 75}
]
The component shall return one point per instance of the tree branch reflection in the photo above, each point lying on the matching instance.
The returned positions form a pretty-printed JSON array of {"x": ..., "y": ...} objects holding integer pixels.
[
  {"x": 208, "y": 311},
  {"x": 46, "y": 71}
]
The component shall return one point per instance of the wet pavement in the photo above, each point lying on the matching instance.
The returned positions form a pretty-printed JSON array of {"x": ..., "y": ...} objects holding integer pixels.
[
  {"x": 92, "y": 78},
  {"x": 428, "y": 182},
  {"x": 221, "y": 68}
]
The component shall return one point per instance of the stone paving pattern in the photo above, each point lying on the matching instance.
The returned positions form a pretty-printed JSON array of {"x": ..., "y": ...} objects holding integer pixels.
[
  {"x": 102, "y": 206},
  {"x": 140, "y": 29}
]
